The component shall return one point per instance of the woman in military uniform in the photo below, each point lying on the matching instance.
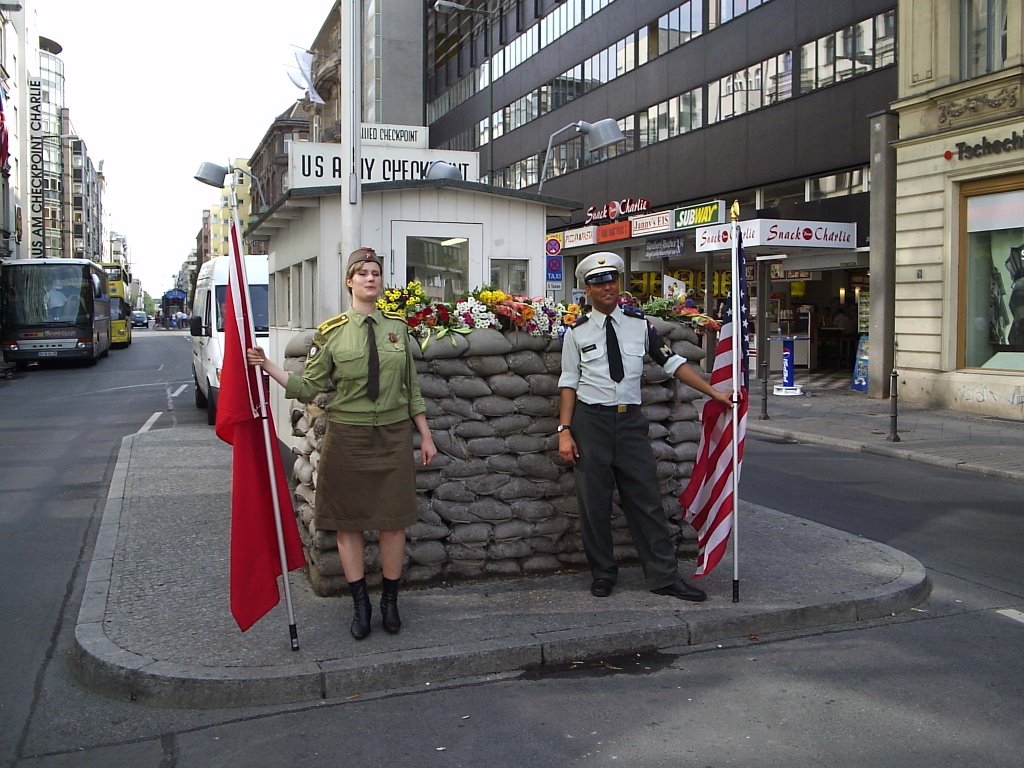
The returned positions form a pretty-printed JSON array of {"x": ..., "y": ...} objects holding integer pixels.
[{"x": 366, "y": 477}]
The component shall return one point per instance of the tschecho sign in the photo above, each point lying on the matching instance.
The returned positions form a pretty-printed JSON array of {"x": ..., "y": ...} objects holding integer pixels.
[
  {"x": 314, "y": 164},
  {"x": 779, "y": 234}
]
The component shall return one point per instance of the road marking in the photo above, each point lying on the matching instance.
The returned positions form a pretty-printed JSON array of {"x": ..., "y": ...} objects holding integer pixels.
[
  {"x": 1012, "y": 614},
  {"x": 150, "y": 422},
  {"x": 179, "y": 390}
]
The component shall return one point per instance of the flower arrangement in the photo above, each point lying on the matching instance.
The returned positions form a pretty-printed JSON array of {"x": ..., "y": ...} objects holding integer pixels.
[
  {"x": 486, "y": 307},
  {"x": 677, "y": 308}
]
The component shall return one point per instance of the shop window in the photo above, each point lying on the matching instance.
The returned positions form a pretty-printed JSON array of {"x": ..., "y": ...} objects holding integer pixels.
[{"x": 992, "y": 263}]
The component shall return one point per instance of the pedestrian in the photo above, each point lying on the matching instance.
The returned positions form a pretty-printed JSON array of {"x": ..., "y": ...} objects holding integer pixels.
[
  {"x": 366, "y": 477},
  {"x": 603, "y": 433}
]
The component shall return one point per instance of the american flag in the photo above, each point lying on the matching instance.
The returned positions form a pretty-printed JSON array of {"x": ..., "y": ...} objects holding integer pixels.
[{"x": 708, "y": 500}]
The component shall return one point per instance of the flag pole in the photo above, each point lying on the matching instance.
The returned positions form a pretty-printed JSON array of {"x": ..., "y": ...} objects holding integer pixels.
[
  {"x": 245, "y": 335},
  {"x": 737, "y": 350}
]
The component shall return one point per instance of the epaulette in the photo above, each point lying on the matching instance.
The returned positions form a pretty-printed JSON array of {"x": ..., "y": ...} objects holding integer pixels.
[
  {"x": 394, "y": 315},
  {"x": 331, "y": 323},
  {"x": 580, "y": 321},
  {"x": 630, "y": 311}
]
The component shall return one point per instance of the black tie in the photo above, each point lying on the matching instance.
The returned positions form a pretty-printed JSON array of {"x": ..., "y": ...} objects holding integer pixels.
[
  {"x": 614, "y": 353},
  {"x": 373, "y": 370}
]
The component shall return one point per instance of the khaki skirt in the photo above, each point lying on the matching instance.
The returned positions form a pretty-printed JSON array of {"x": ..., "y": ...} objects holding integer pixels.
[{"x": 366, "y": 479}]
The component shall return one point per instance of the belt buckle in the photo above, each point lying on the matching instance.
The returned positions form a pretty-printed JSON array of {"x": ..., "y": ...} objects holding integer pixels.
[{"x": 621, "y": 408}]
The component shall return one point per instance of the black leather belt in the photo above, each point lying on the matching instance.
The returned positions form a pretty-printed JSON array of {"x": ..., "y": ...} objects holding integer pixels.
[{"x": 610, "y": 408}]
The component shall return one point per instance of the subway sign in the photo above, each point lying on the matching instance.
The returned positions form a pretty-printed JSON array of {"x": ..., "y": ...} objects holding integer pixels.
[{"x": 700, "y": 215}]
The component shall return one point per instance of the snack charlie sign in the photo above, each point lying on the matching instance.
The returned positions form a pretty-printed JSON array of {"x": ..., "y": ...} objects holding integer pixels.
[
  {"x": 313, "y": 164},
  {"x": 779, "y": 234}
]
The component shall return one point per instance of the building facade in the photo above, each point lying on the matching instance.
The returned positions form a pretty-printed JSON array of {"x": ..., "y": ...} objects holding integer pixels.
[
  {"x": 960, "y": 205},
  {"x": 766, "y": 102}
]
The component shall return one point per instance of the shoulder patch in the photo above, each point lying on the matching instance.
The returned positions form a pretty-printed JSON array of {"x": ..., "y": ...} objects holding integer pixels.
[
  {"x": 394, "y": 315},
  {"x": 331, "y": 323},
  {"x": 629, "y": 311}
]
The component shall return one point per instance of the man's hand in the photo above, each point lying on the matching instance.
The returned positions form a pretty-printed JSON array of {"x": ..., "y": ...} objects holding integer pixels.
[{"x": 567, "y": 447}]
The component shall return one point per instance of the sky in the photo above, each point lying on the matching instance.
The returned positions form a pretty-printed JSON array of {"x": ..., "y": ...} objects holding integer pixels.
[{"x": 155, "y": 89}]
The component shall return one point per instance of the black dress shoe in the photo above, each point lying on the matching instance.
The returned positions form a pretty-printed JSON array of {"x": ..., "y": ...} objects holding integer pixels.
[
  {"x": 601, "y": 587},
  {"x": 682, "y": 590}
]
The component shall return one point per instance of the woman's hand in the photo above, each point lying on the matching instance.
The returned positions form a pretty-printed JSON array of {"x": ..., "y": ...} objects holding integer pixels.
[
  {"x": 427, "y": 448},
  {"x": 255, "y": 356}
]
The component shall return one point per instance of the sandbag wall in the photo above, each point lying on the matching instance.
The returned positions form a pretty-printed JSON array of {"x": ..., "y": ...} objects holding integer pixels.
[{"x": 498, "y": 501}]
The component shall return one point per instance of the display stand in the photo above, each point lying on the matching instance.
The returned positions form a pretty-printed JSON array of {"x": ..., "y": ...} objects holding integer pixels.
[{"x": 788, "y": 387}]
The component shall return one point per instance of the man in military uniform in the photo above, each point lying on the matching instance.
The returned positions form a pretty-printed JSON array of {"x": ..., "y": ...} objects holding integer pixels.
[{"x": 603, "y": 432}]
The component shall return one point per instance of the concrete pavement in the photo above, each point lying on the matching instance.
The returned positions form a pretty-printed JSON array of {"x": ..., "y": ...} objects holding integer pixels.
[{"x": 154, "y": 624}]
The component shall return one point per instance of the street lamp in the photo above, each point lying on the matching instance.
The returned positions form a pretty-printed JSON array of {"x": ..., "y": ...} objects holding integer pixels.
[
  {"x": 215, "y": 175},
  {"x": 598, "y": 135},
  {"x": 447, "y": 6},
  {"x": 439, "y": 169}
]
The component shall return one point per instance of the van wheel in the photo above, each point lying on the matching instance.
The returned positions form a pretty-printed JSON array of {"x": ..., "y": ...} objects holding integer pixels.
[
  {"x": 211, "y": 408},
  {"x": 200, "y": 397}
]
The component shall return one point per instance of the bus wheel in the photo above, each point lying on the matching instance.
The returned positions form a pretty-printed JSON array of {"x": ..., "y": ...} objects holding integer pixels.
[
  {"x": 211, "y": 409},
  {"x": 21, "y": 365}
]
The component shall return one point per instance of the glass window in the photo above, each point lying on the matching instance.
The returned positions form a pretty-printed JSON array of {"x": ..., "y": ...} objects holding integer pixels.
[
  {"x": 440, "y": 264},
  {"x": 510, "y": 275},
  {"x": 993, "y": 335},
  {"x": 885, "y": 39},
  {"x": 982, "y": 36},
  {"x": 808, "y": 65}
]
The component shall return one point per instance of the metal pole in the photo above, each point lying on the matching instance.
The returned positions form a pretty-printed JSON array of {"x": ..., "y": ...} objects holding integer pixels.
[
  {"x": 892, "y": 437},
  {"x": 490, "y": 106}
]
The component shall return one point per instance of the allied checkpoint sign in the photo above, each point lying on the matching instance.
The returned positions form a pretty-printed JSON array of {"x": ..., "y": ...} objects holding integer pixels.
[{"x": 315, "y": 164}]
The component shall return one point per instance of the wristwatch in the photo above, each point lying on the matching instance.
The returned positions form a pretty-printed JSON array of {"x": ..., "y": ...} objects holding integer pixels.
[{"x": 563, "y": 427}]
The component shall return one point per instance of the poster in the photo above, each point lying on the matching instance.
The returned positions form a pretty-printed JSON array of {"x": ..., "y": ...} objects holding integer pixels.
[{"x": 859, "y": 381}]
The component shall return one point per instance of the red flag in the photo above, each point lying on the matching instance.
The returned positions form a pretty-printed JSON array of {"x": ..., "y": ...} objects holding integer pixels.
[
  {"x": 5, "y": 142},
  {"x": 707, "y": 500},
  {"x": 255, "y": 557}
]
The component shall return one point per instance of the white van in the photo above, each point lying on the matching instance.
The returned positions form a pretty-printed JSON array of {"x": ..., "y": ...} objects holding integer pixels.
[{"x": 207, "y": 324}]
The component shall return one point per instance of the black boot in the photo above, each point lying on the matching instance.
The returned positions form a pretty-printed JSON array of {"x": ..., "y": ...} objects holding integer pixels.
[
  {"x": 389, "y": 606},
  {"x": 361, "y": 609}
]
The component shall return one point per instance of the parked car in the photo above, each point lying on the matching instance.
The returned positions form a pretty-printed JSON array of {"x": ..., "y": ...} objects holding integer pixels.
[{"x": 140, "y": 319}]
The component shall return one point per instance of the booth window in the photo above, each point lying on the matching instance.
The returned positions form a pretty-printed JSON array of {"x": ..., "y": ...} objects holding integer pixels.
[
  {"x": 510, "y": 275},
  {"x": 440, "y": 264},
  {"x": 992, "y": 263}
]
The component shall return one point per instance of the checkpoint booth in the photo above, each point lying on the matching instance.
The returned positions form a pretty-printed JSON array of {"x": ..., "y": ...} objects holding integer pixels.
[{"x": 452, "y": 234}]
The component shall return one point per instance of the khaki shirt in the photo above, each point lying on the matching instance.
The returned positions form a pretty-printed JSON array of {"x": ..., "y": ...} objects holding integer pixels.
[
  {"x": 585, "y": 357},
  {"x": 339, "y": 355}
]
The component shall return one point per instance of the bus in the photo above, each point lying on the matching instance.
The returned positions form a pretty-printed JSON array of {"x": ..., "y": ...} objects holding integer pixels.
[
  {"x": 53, "y": 309},
  {"x": 118, "y": 281}
]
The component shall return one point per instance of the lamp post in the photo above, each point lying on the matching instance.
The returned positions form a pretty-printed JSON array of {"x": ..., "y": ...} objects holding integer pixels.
[
  {"x": 447, "y": 6},
  {"x": 598, "y": 135}
]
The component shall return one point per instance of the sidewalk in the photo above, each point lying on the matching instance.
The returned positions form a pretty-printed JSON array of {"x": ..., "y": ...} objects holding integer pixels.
[
  {"x": 154, "y": 625},
  {"x": 830, "y": 413}
]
